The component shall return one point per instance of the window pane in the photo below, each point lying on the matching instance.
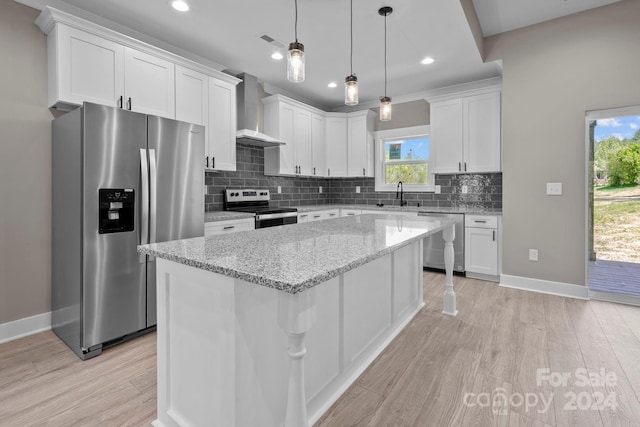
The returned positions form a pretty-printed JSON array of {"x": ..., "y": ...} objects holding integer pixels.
[
  {"x": 408, "y": 174},
  {"x": 407, "y": 149}
]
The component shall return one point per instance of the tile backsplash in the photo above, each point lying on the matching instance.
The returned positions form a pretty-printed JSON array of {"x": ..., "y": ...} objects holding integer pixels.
[{"x": 483, "y": 190}]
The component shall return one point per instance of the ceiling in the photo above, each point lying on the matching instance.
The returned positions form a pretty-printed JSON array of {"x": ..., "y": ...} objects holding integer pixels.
[{"x": 228, "y": 33}]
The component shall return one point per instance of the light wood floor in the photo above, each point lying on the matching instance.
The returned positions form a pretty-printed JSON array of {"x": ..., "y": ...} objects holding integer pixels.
[{"x": 429, "y": 376}]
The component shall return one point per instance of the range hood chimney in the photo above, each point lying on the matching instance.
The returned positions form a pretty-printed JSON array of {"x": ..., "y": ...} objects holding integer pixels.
[{"x": 247, "y": 97}]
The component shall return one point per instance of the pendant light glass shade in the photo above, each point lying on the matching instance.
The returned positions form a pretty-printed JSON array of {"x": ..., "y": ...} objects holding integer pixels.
[
  {"x": 385, "y": 109},
  {"x": 295, "y": 62},
  {"x": 351, "y": 90}
]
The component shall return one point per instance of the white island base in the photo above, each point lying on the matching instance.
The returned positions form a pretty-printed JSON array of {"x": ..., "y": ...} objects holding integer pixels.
[{"x": 232, "y": 353}]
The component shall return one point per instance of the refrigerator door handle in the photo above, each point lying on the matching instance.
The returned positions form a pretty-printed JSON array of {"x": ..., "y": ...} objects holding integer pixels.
[
  {"x": 153, "y": 178},
  {"x": 144, "y": 202}
]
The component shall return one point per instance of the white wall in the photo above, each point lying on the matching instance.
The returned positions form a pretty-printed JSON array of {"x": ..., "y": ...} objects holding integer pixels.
[
  {"x": 553, "y": 73},
  {"x": 25, "y": 166}
]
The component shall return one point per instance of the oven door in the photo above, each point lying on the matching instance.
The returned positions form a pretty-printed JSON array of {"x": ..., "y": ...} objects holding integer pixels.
[{"x": 273, "y": 220}]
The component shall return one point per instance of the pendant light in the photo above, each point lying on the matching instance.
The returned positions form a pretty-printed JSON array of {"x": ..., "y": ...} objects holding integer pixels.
[
  {"x": 351, "y": 81},
  {"x": 295, "y": 57},
  {"x": 385, "y": 101}
]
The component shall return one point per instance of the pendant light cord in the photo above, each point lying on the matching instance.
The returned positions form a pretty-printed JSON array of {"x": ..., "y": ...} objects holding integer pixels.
[
  {"x": 296, "y": 24},
  {"x": 385, "y": 55},
  {"x": 351, "y": 60}
]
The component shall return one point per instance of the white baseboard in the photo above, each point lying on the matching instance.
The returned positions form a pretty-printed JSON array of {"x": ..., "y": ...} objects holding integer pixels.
[
  {"x": 24, "y": 327},
  {"x": 544, "y": 286}
]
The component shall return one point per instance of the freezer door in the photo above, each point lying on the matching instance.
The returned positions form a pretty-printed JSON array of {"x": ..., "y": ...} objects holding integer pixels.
[
  {"x": 176, "y": 150},
  {"x": 114, "y": 282}
]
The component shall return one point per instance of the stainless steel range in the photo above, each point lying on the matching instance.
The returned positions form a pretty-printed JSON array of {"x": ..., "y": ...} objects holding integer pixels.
[{"x": 257, "y": 202}]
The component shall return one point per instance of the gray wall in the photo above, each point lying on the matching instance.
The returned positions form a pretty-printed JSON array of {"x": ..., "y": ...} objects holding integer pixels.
[
  {"x": 25, "y": 166},
  {"x": 553, "y": 73}
]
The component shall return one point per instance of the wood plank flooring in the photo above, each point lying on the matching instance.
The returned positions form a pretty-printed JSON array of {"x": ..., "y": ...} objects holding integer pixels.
[{"x": 469, "y": 370}]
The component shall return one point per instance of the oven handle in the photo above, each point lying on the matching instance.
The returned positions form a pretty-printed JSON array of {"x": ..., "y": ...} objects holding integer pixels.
[{"x": 276, "y": 216}]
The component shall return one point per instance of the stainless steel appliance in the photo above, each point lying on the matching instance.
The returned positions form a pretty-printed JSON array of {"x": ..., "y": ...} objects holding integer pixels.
[
  {"x": 120, "y": 179},
  {"x": 257, "y": 202},
  {"x": 433, "y": 246}
]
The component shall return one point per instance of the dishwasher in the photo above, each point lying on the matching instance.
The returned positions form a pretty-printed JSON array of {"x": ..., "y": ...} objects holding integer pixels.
[{"x": 433, "y": 246}]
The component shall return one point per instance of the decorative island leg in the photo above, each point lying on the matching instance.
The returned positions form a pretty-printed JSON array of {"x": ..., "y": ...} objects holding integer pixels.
[
  {"x": 449, "y": 298},
  {"x": 296, "y": 315}
]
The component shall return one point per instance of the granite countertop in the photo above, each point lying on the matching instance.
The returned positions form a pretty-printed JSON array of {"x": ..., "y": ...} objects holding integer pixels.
[
  {"x": 298, "y": 256},
  {"x": 227, "y": 215},
  {"x": 393, "y": 208}
]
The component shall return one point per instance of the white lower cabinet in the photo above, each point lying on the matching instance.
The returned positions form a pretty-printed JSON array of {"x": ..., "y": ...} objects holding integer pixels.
[
  {"x": 481, "y": 246},
  {"x": 350, "y": 212},
  {"x": 229, "y": 226},
  {"x": 318, "y": 215}
]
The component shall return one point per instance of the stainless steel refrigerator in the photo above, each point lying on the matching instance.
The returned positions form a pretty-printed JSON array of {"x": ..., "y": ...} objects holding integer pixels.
[{"x": 120, "y": 179}]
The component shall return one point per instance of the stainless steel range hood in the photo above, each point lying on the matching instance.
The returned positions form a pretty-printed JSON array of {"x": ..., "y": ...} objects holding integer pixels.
[{"x": 248, "y": 133}]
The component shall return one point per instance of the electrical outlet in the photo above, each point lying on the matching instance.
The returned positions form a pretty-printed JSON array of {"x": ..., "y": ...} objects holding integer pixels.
[
  {"x": 533, "y": 255},
  {"x": 465, "y": 189},
  {"x": 438, "y": 189},
  {"x": 357, "y": 188},
  {"x": 554, "y": 188},
  {"x": 279, "y": 189},
  {"x": 320, "y": 189}
]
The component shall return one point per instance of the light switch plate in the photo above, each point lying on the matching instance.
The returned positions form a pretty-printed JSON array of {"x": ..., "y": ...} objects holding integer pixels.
[
  {"x": 320, "y": 189},
  {"x": 279, "y": 189},
  {"x": 554, "y": 188},
  {"x": 438, "y": 189},
  {"x": 357, "y": 188},
  {"x": 533, "y": 255},
  {"x": 465, "y": 189}
]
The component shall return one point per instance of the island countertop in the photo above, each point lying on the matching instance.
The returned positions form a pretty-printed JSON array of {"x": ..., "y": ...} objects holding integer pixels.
[{"x": 296, "y": 257}]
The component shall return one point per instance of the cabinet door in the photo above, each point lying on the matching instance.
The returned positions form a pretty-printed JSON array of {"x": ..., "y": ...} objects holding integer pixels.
[
  {"x": 192, "y": 96},
  {"x": 317, "y": 145},
  {"x": 357, "y": 146},
  {"x": 87, "y": 68},
  {"x": 481, "y": 250},
  {"x": 302, "y": 135},
  {"x": 149, "y": 84},
  {"x": 285, "y": 132},
  {"x": 336, "y": 146},
  {"x": 482, "y": 132},
  {"x": 221, "y": 146},
  {"x": 446, "y": 135}
]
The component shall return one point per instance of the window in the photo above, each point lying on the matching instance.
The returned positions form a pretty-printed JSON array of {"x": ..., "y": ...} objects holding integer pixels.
[{"x": 404, "y": 155}]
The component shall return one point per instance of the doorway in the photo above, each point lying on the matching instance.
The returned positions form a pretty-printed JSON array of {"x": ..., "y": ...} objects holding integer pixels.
[{"x": 613, "y": 204}]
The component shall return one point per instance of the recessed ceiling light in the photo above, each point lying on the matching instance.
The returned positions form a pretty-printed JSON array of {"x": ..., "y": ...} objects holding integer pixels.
[
  {"x": 180, "y": 5},
  {"x": 427, "y": 60},
  {"x": 277, "y": 56},
  {"x": 332, "y": 85}
]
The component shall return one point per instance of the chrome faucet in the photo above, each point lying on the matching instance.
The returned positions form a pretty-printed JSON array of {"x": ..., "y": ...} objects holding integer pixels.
[{"x": 399, "y": 188}]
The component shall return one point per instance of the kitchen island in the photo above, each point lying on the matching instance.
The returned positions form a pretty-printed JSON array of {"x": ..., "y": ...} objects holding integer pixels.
[{"x": 270, "y": 327}]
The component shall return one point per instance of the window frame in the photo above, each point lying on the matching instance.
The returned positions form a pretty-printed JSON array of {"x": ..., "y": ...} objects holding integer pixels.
[{"x": 381, "y": 137}]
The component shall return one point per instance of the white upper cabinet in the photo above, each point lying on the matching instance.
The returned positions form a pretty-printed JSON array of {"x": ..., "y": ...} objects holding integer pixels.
[
  {"x": 465, "y": 132},
  {"x": 318, "y": 144},
  {"x": 84, "y": 67},
  {"x": 301, "y": 128},
  {"x": 302, "y": 135},
  {"x": 221, "y": 143},
  {"x": 279, "y": 122},
  {"x": 360, "y": 143},
  {"x": 481, "y": 122},
  {"x": 192, "y": 96},
  {"x": 149, "y": 84},
  {"x": 336, "y": 146}
]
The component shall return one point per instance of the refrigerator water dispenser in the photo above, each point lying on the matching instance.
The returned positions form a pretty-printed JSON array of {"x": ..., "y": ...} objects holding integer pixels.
[{"x": 116, "y": 210}]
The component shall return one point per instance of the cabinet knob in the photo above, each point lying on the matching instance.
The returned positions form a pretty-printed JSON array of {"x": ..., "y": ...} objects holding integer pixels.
[
  {"x": 314, "y": 170},
  {"x": 129, "y": 104},
  {"x": 459, "y": 167},
  {"x": 465, "y": 166},
  {"x": 363, "y": 172},
  {"x": 120, "y": 101},
  {"x": 207, "y": 161},
  {"x": 213, "y": 162},
  {"x": 328, "y": 172},
  {"x": 494, "y": 235}
]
